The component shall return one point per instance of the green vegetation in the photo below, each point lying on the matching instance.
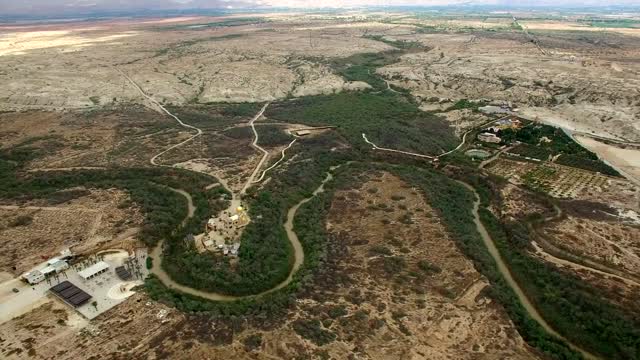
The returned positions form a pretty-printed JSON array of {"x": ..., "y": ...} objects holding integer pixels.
[
  {"x": 337, "y": 311},
  {"x": 271, "y": 136},
  {"x": 149, "y": 188},
  {"x": 531, "y": 151},
  {"x": 612, "y": 23},
  {"x": 428, "y": 267},
  {"x": 388, "y": 120},
  {"x": 543, "y": 141},
  {"x": 314, "y": 331},
  {"x": 466, "y": 104},
  {"x": 572, "y": 307},
  {"x": 215, "y": 116},
  {"x": 308, "y": 225},
  {"x": 362, "y": 67},
  {"x": 453, "y": 202},
  {"x": 252, "y": 342},
  {"x": 400, "y": 44},
  {"x": 265, "y": 257},
  {"x": 149, "y": 262},
  {"x": 241, "y": 21},
  {"x": 586, "y": 164}
]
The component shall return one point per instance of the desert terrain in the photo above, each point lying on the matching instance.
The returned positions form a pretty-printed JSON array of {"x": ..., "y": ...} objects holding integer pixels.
[
  {"x": 406, "y": 294},
  {"x": 128, "y": 136}
]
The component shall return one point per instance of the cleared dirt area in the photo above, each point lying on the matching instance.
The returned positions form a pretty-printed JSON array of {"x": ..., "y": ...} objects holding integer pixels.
[
  {"x": 594, "y": 235},
  {"x": 188, "y": 61},
  {"x": 126, "y": 136},
  {"x": 396, "y": 288},
  {"x": 571, "y": 84},
  {"x": 93, "y": 219}
]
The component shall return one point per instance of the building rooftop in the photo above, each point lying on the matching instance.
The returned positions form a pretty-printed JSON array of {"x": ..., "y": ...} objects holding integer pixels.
[{"x": 93, "y": 269}]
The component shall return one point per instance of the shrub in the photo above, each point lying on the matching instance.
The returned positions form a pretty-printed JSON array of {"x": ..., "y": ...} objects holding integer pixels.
[
  {"x": 22, "y": 220},
  {"x": 312, "y": 330},
  {"x": 252, "y": 342}
]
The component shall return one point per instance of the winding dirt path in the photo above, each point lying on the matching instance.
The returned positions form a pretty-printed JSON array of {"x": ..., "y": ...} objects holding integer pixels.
[
  {"x": 433, "y": 157},
  {"x": 545, "y": 249},
  {"x": 159, "y": 272},
  {"x": 156, "y": 253},
  {"x": 255, "y": 145},
  {"x": 506, "y": 273},
  {"x": 155, "y": 103},
  {"x": 276, "y": 163}
]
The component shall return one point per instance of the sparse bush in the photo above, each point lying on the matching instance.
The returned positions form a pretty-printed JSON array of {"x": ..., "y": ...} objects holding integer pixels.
[
  {"x": 312, "y": 330},
  {"x": 393, "y": 264},
  {"x": 337, "y": 311},
  {"x": 428, "y": 267},
  {"x": 22, "y": 220},
  {"x": 380, "y": 250},
  {"x": 252, "y": 342}
]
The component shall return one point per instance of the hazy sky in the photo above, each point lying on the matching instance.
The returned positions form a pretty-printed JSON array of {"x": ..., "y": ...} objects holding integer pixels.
[{"x": 69, "y": 7}]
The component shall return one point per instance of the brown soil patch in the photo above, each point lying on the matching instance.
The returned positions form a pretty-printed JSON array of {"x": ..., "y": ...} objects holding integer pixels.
[
  {"x": 613, "y": 243},
  {"x": 127, "y": 136},
  {"x": 36, "y": 231},
  {"x": 393, "y": 289}
]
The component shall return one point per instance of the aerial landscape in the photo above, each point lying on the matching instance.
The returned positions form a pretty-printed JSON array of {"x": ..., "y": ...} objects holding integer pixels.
[{"x": 277, "y": 180}]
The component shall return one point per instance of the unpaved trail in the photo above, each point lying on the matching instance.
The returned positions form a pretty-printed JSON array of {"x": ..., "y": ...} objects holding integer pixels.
[
  {"x": 155, "y": 103},
  {"x": 156, "y": 253},
  {"x": 433, "y": 157},
  {"x": 191, "y": 209},
  {"x": 276, "y": 163},
  {"x": 376, "y": 147},
  {"x": 255, "y": 145},
  {"x": 48, "y": 208},
  {"x": 506, "y": 274},
  {"x": 566, "y": 263},
  {"x": 68, "y": 168},
  {"x": 544, "y": 248},
  {"x": 159, "y": 272}
]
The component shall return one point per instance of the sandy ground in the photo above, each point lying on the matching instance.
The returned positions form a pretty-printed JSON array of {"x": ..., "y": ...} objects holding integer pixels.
[
  {"x": 373, "y": 309},
  {"x": 586, "y": 82},
  {"x": 75, "y": 68},
  {"x": 626, "y": 161},
  {"x": 87, "y": 223}
]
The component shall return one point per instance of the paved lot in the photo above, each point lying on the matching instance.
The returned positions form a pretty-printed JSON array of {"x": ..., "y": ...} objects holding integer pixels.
[{"x": 15, "y": 304}]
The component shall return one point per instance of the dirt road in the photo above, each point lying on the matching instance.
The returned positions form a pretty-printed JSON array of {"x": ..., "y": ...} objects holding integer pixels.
[
  {"x": 506, "y": 274},
  {"x": 255, "y": 145},
  {"x": 162, "y": 109},
  {"x": 276, "y": 163},
  {"x": 464, "y": 139},
  {"x": 159, "y": 272}
]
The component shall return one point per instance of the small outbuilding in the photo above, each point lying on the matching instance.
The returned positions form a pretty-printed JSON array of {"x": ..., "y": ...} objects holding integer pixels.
[
  {"x": 34, "y": 277},
  {"x": 489, "y": 137},
  {"x": 94, "y": 270}
]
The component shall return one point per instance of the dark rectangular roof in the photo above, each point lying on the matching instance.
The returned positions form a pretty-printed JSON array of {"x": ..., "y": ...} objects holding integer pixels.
[
  {"x": 70, "y": 293},
  {"x": 123, "y": 273}
]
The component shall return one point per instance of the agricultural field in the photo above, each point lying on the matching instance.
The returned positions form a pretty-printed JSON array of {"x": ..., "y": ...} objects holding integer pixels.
[{"x": 556, "y": 180}]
